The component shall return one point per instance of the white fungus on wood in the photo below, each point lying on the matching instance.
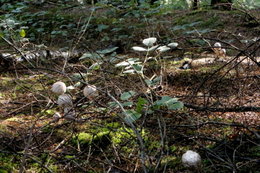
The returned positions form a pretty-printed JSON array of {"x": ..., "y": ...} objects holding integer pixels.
[
  {"x": 191, "y": 159},
  {"x": 59, "y": 88}
]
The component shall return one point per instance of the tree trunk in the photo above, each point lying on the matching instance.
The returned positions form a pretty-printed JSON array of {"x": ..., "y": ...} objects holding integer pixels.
[
  {"x": 195, "y": 4},
  {"x": 152, "y": 2},
  {"x": 221, "y": 4}
]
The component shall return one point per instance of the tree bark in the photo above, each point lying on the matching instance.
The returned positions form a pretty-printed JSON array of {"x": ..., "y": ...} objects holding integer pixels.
[
  {"x": 221, "y": 4},
  {"x": 195, "y": 4}
]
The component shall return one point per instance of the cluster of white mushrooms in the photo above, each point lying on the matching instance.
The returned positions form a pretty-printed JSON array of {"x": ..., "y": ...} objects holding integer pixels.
[
  {"x": 219, "y": 51},
  {"x": 65, "y": 100}
]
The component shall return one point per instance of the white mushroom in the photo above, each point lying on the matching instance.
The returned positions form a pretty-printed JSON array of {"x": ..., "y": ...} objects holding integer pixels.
[
  {"x": 222, "y": 53},
  {"x": 65, "y": 100},
  {"x": 59, "y": 88},
  {"x": 90, "y": 91},
  {"x": 217, "y": 45},
  {"x": 191, "y": 159}
]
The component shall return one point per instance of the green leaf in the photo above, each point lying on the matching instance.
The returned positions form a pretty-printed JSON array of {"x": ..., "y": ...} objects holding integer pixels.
[
  {"x": 165, "y": 100},
  {"x": 95, "y": 66},
  {"x": 22, "y": 33},
  {"x": 130, "y": 61},
  {"x": 129, "y": 104},
  {"x": 169, "y": 102},
  {"x": 89, "y": 55},
  {"x": 137, "y": 67},
  {"x": 129, "y": 71},
  {"x": 101, "y": 27},
  {"x": 140, "y": 104},
  {"x": 112, "y": 104},
  {"x": 153, "y": 82},
  {"x": 127, "y": 95},
  {"x": 122, "y": 64},
  {"x": 78, "y": 76},
  {"x": 108, "y": 50},
  {"x": 175, "y": 106},
  {"x": 132, "y": 116}
]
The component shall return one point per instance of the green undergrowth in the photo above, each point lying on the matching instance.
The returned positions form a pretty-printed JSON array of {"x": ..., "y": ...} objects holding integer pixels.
[
  {"x": 7, "y": 163},
  {"x": 107, "y": 135},
  {"x": 116, "y": 26}
]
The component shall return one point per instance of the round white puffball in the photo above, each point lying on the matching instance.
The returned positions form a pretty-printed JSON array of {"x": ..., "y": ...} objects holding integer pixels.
[
  {"x": 59, "y": 88},
  {"x": 191, "y": 159},
  {"x": 90, "y": 91},
  {"x": 65, "y": 100}
]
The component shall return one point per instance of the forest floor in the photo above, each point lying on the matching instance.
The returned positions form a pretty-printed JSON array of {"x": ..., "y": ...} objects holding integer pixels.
[{"x": 220, "y": 118}]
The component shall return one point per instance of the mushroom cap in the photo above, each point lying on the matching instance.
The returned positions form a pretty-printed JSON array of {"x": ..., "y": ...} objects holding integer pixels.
[
  {"x": 217, "y": 45},
  {"x": 65, "y": 100},
  {"x": 90, "y": 91},
  {"x": 223, "y": 52},
  {"x": 59, "y": 88},
  {"x": 191, "y": 159}
]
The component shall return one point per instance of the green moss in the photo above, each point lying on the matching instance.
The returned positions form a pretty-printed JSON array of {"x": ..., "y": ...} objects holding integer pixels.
[
  {"x": 2, "y": 170},
  {"x": 100, "y": 138},
  {"x": 84, "y": 138},
  {"x": 48, "y": 112},
  {"x": 170, "y": 161},
  {"x": 122, "y": 134},
  {"x": 153, "y": 145},
  {"x": 6, "y": 163},
  {"x": 113, "y": 125},
  {"x": 101, "y": 134},
  {"x": 173, "y": 148}
]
